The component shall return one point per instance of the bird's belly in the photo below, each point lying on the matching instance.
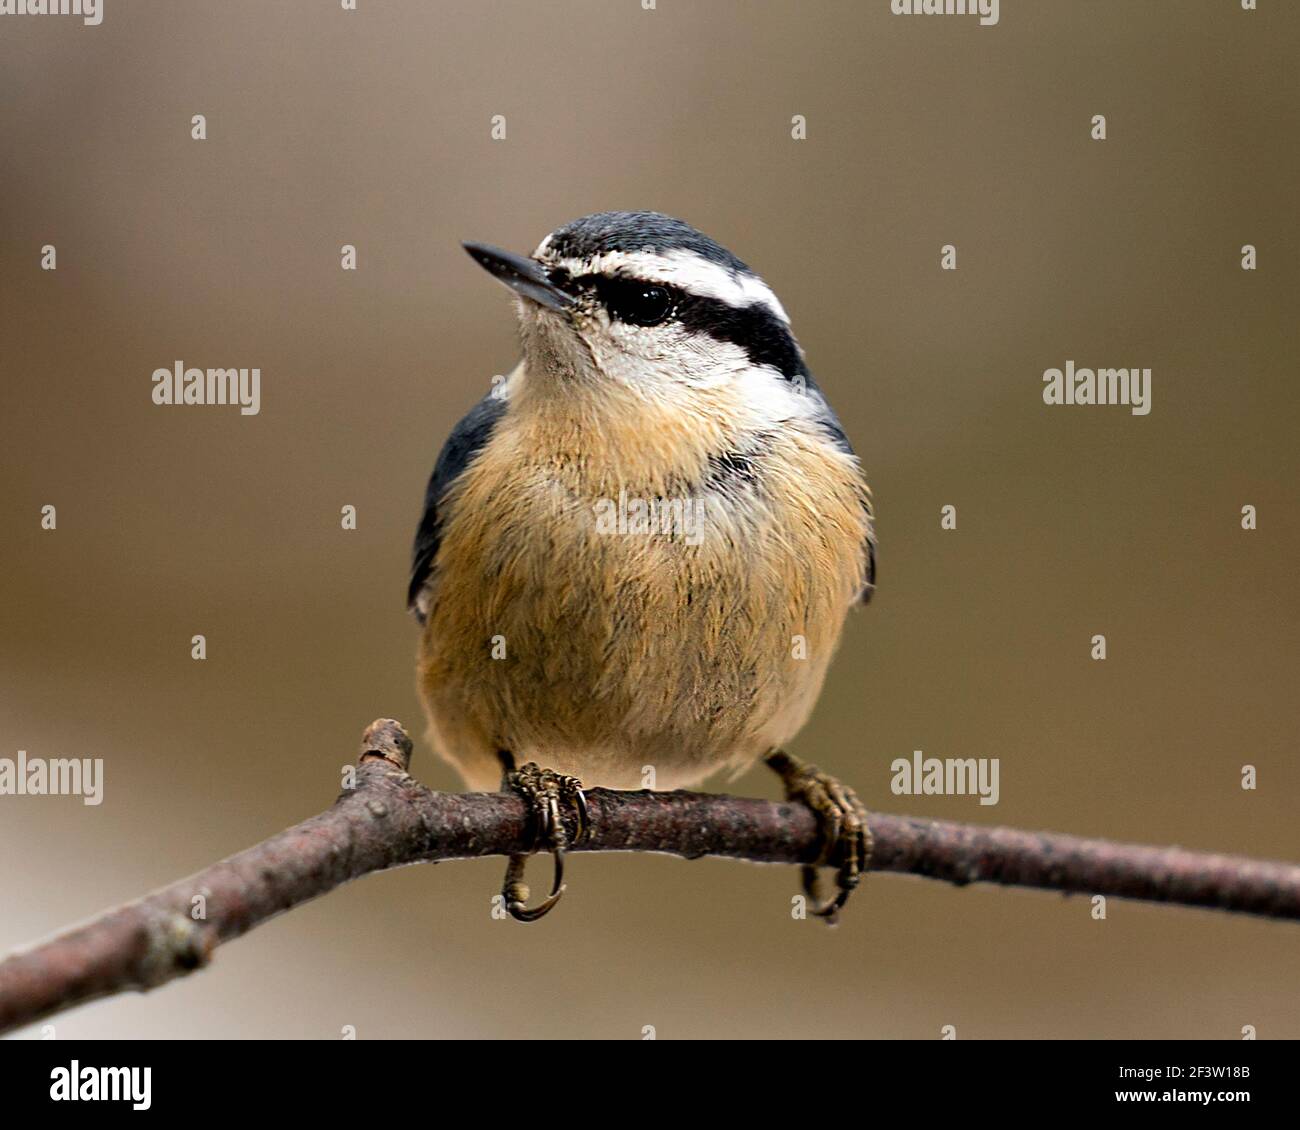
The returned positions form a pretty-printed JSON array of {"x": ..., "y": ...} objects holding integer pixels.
[{"x": 629, "y": 659}]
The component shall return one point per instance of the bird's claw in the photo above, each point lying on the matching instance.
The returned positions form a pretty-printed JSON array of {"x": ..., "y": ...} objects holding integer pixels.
[
  {"x": 844, "y": 832},
  {"x": 547, "y": 793}
]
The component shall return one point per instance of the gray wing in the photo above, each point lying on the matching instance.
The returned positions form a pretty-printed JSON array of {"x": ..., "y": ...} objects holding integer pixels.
[
  {"x": 466, "y": 439},
  {"x": 831, "y": 423}
]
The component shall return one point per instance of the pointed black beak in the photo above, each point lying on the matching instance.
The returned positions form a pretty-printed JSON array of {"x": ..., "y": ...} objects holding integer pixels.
[{"x": 523, "y": 276}]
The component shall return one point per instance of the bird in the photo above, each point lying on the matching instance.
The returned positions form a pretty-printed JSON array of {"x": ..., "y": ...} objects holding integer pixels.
[{"x": 638, "y": 551}]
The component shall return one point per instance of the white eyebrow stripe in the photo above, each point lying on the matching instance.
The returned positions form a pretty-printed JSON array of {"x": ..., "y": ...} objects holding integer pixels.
[{"x": 683, "y": 269}]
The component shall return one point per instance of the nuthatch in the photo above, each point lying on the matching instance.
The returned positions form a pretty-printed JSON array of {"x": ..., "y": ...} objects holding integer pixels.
[{"x": 637, "y": 553}]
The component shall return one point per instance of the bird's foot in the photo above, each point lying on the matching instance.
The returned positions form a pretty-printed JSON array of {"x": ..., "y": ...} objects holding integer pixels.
[
  {"x": 843, "y": 824},
  {"x": 547, "y": 794}
]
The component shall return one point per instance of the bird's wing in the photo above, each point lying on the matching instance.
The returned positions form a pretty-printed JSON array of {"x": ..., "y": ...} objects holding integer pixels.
[
  {"x": 466, "y": 439},
  {"x": 831, "y": 423}
]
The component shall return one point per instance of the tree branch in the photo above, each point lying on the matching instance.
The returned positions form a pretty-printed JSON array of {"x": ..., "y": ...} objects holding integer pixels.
[{"x": 390, "y": 819}]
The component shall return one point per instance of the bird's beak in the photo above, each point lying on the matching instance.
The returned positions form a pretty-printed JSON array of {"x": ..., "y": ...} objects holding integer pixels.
[{"x": 523, "y": 276}]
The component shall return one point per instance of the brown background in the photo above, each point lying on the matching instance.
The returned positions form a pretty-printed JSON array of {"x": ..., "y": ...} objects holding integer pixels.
[{"x": 328, "y": 127}]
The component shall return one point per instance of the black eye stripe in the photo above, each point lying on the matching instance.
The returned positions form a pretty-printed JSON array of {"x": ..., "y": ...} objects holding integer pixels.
[{"x": 756, "y": 329}]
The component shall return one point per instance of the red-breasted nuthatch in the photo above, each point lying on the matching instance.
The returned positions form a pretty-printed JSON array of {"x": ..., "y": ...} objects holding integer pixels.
[{"x": 637, "y": 553}]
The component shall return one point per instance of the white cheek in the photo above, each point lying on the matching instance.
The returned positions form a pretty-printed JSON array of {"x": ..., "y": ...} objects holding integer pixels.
[{"x": 650, "y": 356}]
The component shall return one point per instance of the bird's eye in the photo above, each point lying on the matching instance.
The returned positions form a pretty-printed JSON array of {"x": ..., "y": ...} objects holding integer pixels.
[{"x": 639, "y": 303}]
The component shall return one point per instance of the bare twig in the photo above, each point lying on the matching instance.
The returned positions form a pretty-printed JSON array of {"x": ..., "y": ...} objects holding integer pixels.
[{"x": 389, "y": 819}]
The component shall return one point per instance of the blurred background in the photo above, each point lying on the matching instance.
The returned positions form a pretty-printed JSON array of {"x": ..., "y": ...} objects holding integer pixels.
[{"x": 329, "y": 127}]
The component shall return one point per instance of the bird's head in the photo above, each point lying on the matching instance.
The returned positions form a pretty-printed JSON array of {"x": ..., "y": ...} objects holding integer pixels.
[{"x": 645, "y": 300}]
